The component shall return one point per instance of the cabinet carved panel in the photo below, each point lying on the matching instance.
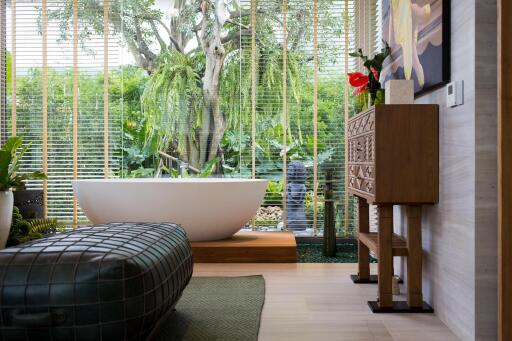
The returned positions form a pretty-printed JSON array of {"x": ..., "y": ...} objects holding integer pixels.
[
  {"x": 392, "y": 154},
  {"x": 361, "y": 152},
  {"x": 361, "y": 124},
  {"x": 362, "y": 148},
  {"x": 361, "y": 178}
]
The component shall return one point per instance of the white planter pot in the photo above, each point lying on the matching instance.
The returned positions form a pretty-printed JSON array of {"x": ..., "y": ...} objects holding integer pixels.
[{"x": 6, "y": 206}]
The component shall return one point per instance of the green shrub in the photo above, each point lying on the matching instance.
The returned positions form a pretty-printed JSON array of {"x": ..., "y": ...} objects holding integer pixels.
[{"x": 23, "y": 231}]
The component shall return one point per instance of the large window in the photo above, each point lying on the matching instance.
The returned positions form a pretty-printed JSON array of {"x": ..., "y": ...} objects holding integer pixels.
[{"x": 238, "y": 88}]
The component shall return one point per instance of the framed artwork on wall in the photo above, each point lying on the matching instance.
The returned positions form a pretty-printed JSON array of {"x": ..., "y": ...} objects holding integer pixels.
[{"x": 418, "y": 32}]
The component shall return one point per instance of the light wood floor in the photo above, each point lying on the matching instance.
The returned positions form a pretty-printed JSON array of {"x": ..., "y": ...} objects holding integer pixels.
[{"x": 319, "y": 302}]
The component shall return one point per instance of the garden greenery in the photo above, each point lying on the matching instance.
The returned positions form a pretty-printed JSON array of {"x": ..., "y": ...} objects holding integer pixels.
[
  {"x": 162, "y": 104},
  {"x": 10, "y": 161}
]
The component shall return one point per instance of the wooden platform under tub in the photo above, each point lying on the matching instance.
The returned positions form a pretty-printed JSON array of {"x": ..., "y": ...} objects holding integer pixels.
[{"x": 248, "y": 247}]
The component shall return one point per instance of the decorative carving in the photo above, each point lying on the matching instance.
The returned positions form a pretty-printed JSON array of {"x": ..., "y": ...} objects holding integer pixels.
[
  {"x": 362, "y": 185},
  {"x": 361, "y": 152},
  {"x": 361, "y": 149},
  {"x": 361, "y": 124},
  {"x": 361, "y": 177}
]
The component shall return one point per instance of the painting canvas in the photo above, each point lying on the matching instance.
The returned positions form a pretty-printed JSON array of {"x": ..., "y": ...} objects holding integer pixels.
[{"x": 418, "y": 32}]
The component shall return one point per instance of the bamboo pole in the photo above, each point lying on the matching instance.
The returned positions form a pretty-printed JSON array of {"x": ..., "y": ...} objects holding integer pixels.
[
  {"x": 105, "y": 89},
  {"x": 44, "y": 32},
  {"x": 346, "y": 108},
  {"x": 75, "y": 106},
  {"x": 13, "y": 68},
  {"x": 315, "y": 115},
  {"x": 3, "y": 70},
  {"x": 285, "y": 113},
  {"x": 253, "y": 94}
]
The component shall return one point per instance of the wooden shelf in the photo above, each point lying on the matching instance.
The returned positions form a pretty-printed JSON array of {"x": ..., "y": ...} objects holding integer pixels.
[{"x": 371, "y": 241}]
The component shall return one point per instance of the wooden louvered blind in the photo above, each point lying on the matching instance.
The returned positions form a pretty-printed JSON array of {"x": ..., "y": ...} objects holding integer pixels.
[
  {"x": 319, "y": 36},
  {"x": 67, "y": 123},
  {"x": 76, "y": 132},
  {"x": 3, "y": 73}
]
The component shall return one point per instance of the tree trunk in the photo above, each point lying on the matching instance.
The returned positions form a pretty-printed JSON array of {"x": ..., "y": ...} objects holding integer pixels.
[
  {"x": 213, "y": 127},
  {"x": 211, "y": 106}
]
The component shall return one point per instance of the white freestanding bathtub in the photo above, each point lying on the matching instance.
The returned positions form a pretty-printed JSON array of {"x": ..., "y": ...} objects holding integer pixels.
[{"x": 207, "y": 208}]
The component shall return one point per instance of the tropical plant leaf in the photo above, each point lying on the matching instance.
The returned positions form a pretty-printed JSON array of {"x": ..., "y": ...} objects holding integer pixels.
[
  {"x": 10, "y": 158},
  {"x": 45, "y": 226},
  {"x": 5, "y": 161},
  {"x": 208, "y": 168},
  {"x": 12, "y": 144}
]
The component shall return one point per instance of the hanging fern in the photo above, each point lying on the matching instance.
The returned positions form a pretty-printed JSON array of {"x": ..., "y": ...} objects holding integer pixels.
[{"x": 172, "y": 100}]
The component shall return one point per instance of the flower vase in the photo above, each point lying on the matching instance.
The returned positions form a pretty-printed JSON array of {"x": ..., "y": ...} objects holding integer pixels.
[
  {"x": 362, "y": 101},
  {"x": 378, "y": 97},
  {"x": 6, "y": 207}
]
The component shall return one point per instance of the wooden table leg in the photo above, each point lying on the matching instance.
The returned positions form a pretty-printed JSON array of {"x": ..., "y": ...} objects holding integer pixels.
[
  {"x": 414, "y": 258},
  {"x": 385, "y": 256},
  {"x": 363, "y": 253}
]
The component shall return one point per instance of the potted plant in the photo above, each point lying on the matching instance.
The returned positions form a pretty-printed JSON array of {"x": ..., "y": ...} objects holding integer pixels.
[
  {"x": 368, "y": 90},
  {"x": 10, "y": 180},
  {"x": 30, "y": 202}
]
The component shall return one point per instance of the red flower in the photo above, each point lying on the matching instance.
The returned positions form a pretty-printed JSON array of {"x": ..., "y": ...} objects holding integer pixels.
[
  {"x": 375, "y": 73},
  {"x": 358, "y": 81}
]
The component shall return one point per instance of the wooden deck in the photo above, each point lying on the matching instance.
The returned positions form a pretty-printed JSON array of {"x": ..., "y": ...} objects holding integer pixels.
[{"x": 248, "y": 247}]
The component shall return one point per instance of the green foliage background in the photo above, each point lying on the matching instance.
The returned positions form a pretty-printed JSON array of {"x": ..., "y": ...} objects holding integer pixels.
[{"x": 155, "y": 111}]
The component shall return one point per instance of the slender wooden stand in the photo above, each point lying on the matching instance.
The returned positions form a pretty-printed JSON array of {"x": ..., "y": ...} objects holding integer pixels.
[
  {"x": 385, "y": 256},
  {"x": 385, "y": 245},
  {"x": 363, "y": 251},
  {"x": 393, "y": 159},
  {"x": 414, "y": 257}
]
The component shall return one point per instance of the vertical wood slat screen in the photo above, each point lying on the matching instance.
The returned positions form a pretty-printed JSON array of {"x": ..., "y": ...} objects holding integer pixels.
[
  {"x": 285, "y": 110},
  {"x": 13, "y": 69},
  {"x": 3, "y": 72},
  {"x": 106, "y": 37},
  {"x": 346, "y": 114},
  {"x": 44, "y": 34},
  {"x": 65, "y": 118},
  {"x": 75, "y": 106},
  {"x": 253, "y": 97},
  {"x": 315, "y": 116}
]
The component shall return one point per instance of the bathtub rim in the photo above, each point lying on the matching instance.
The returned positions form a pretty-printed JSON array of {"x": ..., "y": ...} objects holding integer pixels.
[{"x": 171, "y": 180}]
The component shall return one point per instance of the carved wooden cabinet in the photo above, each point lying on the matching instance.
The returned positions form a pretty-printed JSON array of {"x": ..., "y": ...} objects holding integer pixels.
[
  {"x": 393, "y": 160},
  {"x": 393, "y": 154}
]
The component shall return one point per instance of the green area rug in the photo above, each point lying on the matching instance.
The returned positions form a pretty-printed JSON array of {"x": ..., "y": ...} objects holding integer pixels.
[{"x": 217, "y": 309}]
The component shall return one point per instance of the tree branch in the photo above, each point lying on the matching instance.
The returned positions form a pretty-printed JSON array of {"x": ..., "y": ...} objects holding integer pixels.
[
  {"x": 246, "y": 13},
  {"x": 237, "y": 23},
  {"x": 171, "y": 37},
  {"x": 142, "y": 46},
  {"x": 164, "y": 26},
  {"x": 162, "y": 43},
  {"x": 235, "y": 35}
]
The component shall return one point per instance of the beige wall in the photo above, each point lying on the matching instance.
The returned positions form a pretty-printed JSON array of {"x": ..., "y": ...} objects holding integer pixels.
[
  {"x": 486, "y": 170},
  {"x": 459, "y": 234}
]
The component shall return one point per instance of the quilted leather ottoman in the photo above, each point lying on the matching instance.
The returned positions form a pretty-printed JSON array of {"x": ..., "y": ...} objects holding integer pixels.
[{"x": 105, "y": 282}]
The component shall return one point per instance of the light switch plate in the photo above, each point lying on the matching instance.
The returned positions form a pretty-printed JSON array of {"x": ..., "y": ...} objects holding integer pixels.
[{"x": 455, "y": 94}]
